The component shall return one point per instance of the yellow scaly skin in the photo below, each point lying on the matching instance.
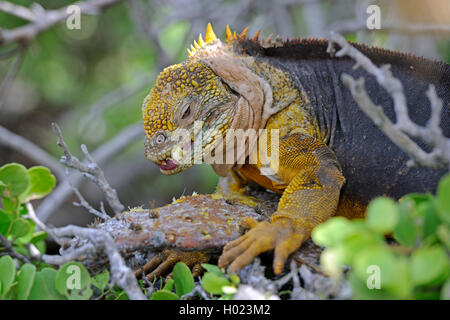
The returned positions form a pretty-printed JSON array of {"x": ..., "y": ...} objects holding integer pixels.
[{"x": 309, "y": 176}]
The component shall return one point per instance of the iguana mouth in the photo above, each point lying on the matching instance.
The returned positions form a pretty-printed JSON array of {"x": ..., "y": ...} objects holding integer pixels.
[{"x": 168, "y": 164}]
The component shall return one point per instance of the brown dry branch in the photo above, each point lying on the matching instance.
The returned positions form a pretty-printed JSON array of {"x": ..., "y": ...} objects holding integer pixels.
[
  {"x": 121, "y": 275},
  {"x": 90, "y": 169},
  {"x": 42, "y": 19},
  {"x": 400, "y": 131}
]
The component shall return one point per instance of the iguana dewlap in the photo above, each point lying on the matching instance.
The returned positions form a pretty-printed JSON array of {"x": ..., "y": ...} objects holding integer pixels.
[{"x": 332, "y": 158}]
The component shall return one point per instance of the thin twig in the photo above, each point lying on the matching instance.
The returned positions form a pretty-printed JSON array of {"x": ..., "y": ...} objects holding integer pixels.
[
  {"x": 121, "y": 275},
  {"x": 48, "y": 18},
  {"x": 105, "y": 152},
  {"x": 398, "y": 132},
  {"x": 83, "y": 203},
  {"x": 90, "y": 169},
  {"x": 13, "y": 253}
]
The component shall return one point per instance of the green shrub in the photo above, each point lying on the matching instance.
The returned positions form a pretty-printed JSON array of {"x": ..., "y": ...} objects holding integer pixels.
[{"x": 415, "y": 266}]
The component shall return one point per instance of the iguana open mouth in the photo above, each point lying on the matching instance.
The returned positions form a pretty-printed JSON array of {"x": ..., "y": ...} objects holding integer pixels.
[{"x": 168, "y": 164}]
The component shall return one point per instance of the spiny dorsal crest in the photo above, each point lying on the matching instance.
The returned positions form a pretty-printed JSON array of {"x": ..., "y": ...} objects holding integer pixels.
[{"x": 210, "y": 37}]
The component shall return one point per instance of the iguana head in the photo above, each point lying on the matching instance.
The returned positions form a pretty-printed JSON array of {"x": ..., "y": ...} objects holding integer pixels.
[{"x": 195, "y": 97}]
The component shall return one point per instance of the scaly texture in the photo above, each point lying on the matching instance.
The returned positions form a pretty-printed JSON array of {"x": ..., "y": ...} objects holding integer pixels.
[{"x": 332, "y": 159}]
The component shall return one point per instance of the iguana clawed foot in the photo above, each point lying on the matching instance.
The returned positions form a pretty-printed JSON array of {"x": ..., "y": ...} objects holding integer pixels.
[
  {"x": 163, "y": 263},
  {"x": 281, "y": 235}
]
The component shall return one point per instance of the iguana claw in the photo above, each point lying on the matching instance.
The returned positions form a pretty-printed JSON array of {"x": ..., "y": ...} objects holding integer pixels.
[
  {"x": 280, "y": 235},
  {"x": 163, "y": 263}
]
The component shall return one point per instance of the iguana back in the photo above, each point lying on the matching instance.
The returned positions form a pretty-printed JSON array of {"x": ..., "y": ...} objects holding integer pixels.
[{"x": 372, "y": 164}]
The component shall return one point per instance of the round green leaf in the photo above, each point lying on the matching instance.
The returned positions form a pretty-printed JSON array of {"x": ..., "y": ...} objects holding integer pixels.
[
  {"x": 16, "y": 177},
  {"x": 7, "y": 274},
  {"x": 20, "y": 228},
  {"x": 5, "y": 221},
  {"x": 212, "y": 268},
  {"x": 184, "y": 281},
  {"x": 42, "y": 182},
  {"x": 73, "y": 281},
  {"x": 429, "y": 266},
  {"x": 25, "y": 280},
  {"x": 164, "y": 295},
  {"x": 44, "y": 286},
  {"x": 443, "y": 198},
  {"x": 382, "y": 215},
  {"x": 334, "y": 230},
  {"x": 212, "y": 283},
  {"x": 405, "y": 232},
  {"x": 101, "y": 280}
]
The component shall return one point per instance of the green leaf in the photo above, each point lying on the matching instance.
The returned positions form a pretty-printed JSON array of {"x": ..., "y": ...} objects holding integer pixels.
[
  {"x": 445, "y": 291},
  {"x": 44, "y": 286},
  {"x": 25, "y": 280},
  {"x": 356, "y": 243},
  {"x": 406, "y": 231},
  {"x": 374, "y": 259},
  {"x": 429, "y": 266},
  {"x": 73, "y": 281},
  {"x": 38, "y": 236},
  {"x": 20, "y": 228},
  {"x": 235, "y": 279},
  {"x": 7, "y": 274},
  {"x": 42, "y": 182},
  {"x": 382, "y": 215},
  {"x": 443, "y": 233},
  {"x": 212, "y": 268},
  {"x": 5, "y": 221},
  {"x": 334, "y": 230},
  {"x": 443, "y": 198},
  {"x": 212, "y": 283},
  {"x": 184, "y": 281},
  {"x": 431, "y": 220},
  {"x": 169, "y": 285},
  {"x": 101, "y": 280},
  {"x": 16, "y": 177},
  {"x": 164, "y": 295}
]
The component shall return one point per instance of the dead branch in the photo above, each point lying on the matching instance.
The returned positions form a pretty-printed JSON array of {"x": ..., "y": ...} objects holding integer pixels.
[
  {"x": 91, "y": 170},
  {"x": 121, "y": 275},
  {"x": 42, "y": 19},
  {"x": 106, "y": 151},
  {"x": 398, "y": 132},
  {"x": 83, "y": 203}
]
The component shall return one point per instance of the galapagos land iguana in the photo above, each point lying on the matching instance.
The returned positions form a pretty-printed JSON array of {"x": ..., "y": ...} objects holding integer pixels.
[{"x": 332, "y": 159}]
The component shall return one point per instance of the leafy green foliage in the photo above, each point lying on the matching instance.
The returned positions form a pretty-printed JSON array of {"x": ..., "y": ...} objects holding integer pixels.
[
  {"x": 214, "y": 282},
  {"x": 417, "y": 266}
]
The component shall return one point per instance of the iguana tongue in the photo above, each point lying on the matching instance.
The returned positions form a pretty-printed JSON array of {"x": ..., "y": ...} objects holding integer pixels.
[{"x": 168, "y": 164}]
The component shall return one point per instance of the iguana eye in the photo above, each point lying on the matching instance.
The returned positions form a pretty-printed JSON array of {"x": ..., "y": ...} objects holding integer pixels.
[
  {"x": 187, "y": 112},
  {"x": 160, "y": 138}
]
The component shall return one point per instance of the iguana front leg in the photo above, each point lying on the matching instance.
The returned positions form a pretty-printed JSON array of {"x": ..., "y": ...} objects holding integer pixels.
[{"x": 314, "y": 179}]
